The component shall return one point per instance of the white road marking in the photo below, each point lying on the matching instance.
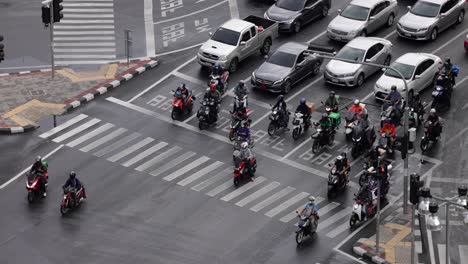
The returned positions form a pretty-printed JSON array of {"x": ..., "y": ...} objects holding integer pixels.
[
  {"x": 87, "y": 5},
  {"x": 89, "y": 135},
  {"x": 317, "y": 37},
  {"x": 390, "y": 34},
  {"x": 63, "y": 126},
  {"x": 87, "y": 50},
  {"x": 87, "y": 10},
  {"x": 173, "y": 163},
  {"x": 76, "y": 130},
  {"x": 81, "y": 39},
  {"x": 190, "y": 78},
  {"x": 233, "y": 9},
  {"x": 327, "y": 208},
  {"x": 93, "y": 44},
  {"x": 84, "y": 32},
  {"x": 258, "y": 193},
  {"x": 244, "y": 188},
  {"x": 334, "y": 218},
  {"x": 103, "y": 140},
  {"x": 197, "y": 175},
  {"x": 149, "y": 28},
  {"x": 465, "y": 106},
  {"x": 89, "y": 16},
  {"x": 449, "y": 41},
  {"x": 463, "y": 249},
  {"x": 161, "y": 80},
  {"x": 271, "y": 199},
  {"x": 186, "y": 168},
  {"x": 28, "y": 168},
  {"x": 144, "y": 154},
  {"x": 450, "y": 180},
  {"x": 179, "y": 50},
  {"x": 212, "y": 180},
  {"x": 87, "y": 56},
  {"x": 117, "y": 144},
  {"x": 220, "y": 188},
  {"x": 131, "y": 149},
  {"x": 338, "y": 230},
  {"x": 288, "y": 203},
  {"x": 191, "y": 14},
  {"x": 84, "y": 27},
  {"x": 461, "y": 132},
  {"x": 160, "y": 157},
  {"x": 296, "y": 148},
  {"x": 293, "y": 214},
  {"x": 441, "y": 249},
  {"x": 87, "y": 21}
]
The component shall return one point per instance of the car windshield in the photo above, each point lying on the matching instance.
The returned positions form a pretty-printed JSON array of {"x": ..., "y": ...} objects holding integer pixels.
[
  {"x": 293, "y": 5},
  {"x": 226, "y": 36},
  {"x": 425, "y": 9},
  {"x": 349, "y": 53},
  {"x": 355, "y": 12},
  {"x": 405, "y": 69},
  {"x": 283, "y": 59}
]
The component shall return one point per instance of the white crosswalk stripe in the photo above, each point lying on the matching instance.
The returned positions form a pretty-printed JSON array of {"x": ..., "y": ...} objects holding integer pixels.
[
  {"x": 293, "y": 214},
  {"x": 463, "y": 249},
  {"x": 160, "y": 157},
  {"x": 131, "y": 149},
  {"x": 228, "y": 197},
  {"x": 84, "y": 26},
  {"x": 200, "y": 173},
  {"x": 173, "y": 163},
  {"x": 63, "y": 126},
  {"x": 103, "y": 140},
  {"x": 202, "y": 185},
  {"x": 144, "y": 154},
  {"x": 76, "y": 130},
  {"x": 258, "y": 194},
  {"x": 186, "y": 168},
  {"x": 285, "y": 205},
  {"x": 117, "y": 144},
  {"x": 333, "y": 219},
  {"x": 272, "y": 199},
  {"x": 91, "y": 134}
]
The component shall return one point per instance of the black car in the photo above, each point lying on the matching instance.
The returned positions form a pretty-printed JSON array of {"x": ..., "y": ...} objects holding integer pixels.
[
  {"x": 293, "y": 14},
  {"x": 288, "y": 65}
]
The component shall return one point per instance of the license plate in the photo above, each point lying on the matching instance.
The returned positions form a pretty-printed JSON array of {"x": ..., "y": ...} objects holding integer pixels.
[
  {"x": 408, "y": 35},
  {"x": 262, "y": 85},
  {"x": 334, "y": 80}
]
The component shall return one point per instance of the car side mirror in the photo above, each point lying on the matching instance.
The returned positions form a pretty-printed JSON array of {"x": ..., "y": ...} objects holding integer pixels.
[
  {"x": 368, "y": 60},
  {"x": 443, "y": 15},
  {"x": 383, "y": 69},
  {"x": 339, "y": 10},
  {"x": 371, "y": 18},
  {"x": 409, "y": 7},
  {"x": 242, "y": 43},
  {"x": 210, "y": 33},
  {"x": 266, "y": 57},
  {"x": 300, "y": 64},
  {"x": 417, "y": 77}
]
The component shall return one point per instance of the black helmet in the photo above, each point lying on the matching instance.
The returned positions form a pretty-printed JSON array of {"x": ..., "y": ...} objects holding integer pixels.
[
  {"x": 182, "y": 85},
  {"x": 393, "y": 88},
  {"x": 343, "y": 154},
  {"x": 241, "y": 83},
  {"x": 72, "y": 175},
  {"x": 280, "y": 97},
  {"x": 447, "y": 60}
]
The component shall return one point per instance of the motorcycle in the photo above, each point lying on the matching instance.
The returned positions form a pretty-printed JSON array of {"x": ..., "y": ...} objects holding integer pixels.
[
  {"x": 389, "y": 111},
  {"x": 304, "y": 229},
  {"x": 236, "y": 124},
  {"x": 445, "y": 80},
  {"x": 178, "y": 106},
  {"x": 428, "y": 140},
  {"x": 240, "y": 100},
  {"x": 275, "y": 122},
  {"x": 221, "y": 81},
  {"x": 298, "y": 125},
  {"x": 440, "y": 99},
  {"x": 360, "y": 142},
  {"x": 67, "y": 203},
  {"x": 334, "y": 183},
  {"x": 33, "y": 183},
  {"x": 241, "y": 173},
  {"x": 322, "y": 137},
  {"x": 350, "y": 123},
  {"x": 362, "y": 212},
  {"x": 384, "y": 146},
  {"x": 239, "y": 140},
  {"x": 204, "y": 113},
  {"x": 370, "y": 173}
]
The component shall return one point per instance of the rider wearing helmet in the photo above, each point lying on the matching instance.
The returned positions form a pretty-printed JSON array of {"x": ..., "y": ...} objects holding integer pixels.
[
  {"x": 244, "y": 131},
  {"x": 40, "y": 169},
  {"x": 389, "y": 130},
  {"x": 310, "y": 209},
  {"x": 240, "y": 91},
  {"x": 357, "y": 107},
  {"x": 213, "y": 94},
  {"x": 217, "y": 69},
  {"x": 332, "y": 101},
  {"x": 282, "y": 110},
  {"x": 325, "y": 121},
  {"x": 246, "y": 155},
  {"x": 394, "y": 96},
  {"x": 304, "y": 110},
  {"x": 342, "y": 166},
  {"x": 75, "y": 186},
  {"x": 433, "y": 123},
  {"x": 184, "y": 91}
]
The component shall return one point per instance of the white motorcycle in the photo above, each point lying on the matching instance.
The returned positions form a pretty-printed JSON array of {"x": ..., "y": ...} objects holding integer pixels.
[
  {"x": 240, "y": 101},
  {"x": 360, "y": 210},
  {"x": 298, "y": 125}
]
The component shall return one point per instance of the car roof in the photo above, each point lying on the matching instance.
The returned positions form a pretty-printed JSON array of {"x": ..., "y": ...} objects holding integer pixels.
[
  {"x": 236, "y": 25},
  {"x": 440, "y": 2},
  {"x": 366, "y": 3},
  {"x": 414, "y": 59},
  {"x": 292, "y": 47},
  {"x": 364, "y": 42}
]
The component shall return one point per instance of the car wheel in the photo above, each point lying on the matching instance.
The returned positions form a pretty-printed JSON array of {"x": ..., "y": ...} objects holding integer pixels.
[
  {"x": 387, "y": 60},
  {"x": 360, "y": 80},
  {"x": 316, "y": 68},
  {"x": 460, "y": 18},
  {"x": 233, "y": 65},
  {"x": 297, "y": 27},
  {"x": 266, "y": 47},
  {"x": 363, "y": 33},
  {"x": 434, "y": 34},
  {"x": 325, "y": 11},
  {"x": 287, "y": 86},
  {"x": 390, "y": 20}
]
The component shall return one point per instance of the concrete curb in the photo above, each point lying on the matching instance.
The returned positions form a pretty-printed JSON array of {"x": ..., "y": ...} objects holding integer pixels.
[
  {"x": 105, "y": 88},
  {"x": 16, "y": 130},
  {"x": 357, "y": 249}
]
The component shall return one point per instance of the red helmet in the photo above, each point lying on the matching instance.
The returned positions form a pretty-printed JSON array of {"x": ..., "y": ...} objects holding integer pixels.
[{"x": 213, "y": 87}]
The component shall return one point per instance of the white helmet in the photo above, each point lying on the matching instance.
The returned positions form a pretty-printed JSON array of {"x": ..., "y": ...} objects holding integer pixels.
[
  {"x": 432, "y": 111},
  {"x": 311, "y": 198},
  {"x": 339, "y": 157},
  {"x": 356, "y": 102},
  {"x": 244, "y": 145}
]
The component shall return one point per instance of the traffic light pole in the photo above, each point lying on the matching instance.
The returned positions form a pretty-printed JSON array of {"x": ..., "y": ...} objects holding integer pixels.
[{"x": 51, "y": 28}]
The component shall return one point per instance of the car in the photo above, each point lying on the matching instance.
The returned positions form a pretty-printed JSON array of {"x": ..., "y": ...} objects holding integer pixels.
[
  {"x": 427, "y": 18},
  {"x": 465, "y": 43},
  {"x": 361, "y": 49},
  {"x": 293, "y": 14},
  {"x": 362, "y": 17},
  {"x": 289, "y": 64},
  {"x": 420, "y": 70}
]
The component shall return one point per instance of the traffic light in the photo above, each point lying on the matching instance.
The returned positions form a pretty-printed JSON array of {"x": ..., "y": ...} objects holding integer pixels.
[
  {"x": 2, "y": 52},
  {"x": 415, "y": 186},
  {"x": 57, "y": 10},
  {"x": 46, "y": 15}
]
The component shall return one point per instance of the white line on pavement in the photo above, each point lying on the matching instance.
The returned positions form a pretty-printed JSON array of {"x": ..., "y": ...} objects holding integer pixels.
[
  {"x": 61, "y": 127},
  {"x": 189, "y": 78},
  {"x": 84, "y": 32},
  {"x": 317, "y": 37},
  {"x": 25, "y": 170},
  {"x": 72, "y": 50},
  {"x": 296, "y": 148},
  {"x": 191, "y": 14},
  {"x": 87, "y": 10},
  {"x": 161, "y": 80},
  {"x": 449, "y": 41},
  {"x": 84, "y": 27},
  {"x": 85, "y": 56},
  {"x": 87, "y": 4},
  {"x": 233, "y": 9},
  {"x": 465, "y": 106},
  {"x": 84, "y": 38},
  {"x": 90, "y": 16},
  {"x": 87, "y": 21},
  {"x": 149, "y": 28},
  {"x": 390, "y": 34},
  {"x": 179, "y": 50},
  {"x": 94, "y": 44}
]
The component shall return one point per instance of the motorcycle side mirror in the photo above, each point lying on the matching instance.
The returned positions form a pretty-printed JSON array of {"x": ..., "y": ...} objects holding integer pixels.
[
  {"x": 210, "y": 33},
  {"x": 321, "y": 102},
  {"x": 266, "y": 57},
  {"x": 329, "y": 164}
]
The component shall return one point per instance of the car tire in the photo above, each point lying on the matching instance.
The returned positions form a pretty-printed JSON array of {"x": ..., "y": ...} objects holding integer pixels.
[
  {"x": 233, "y": 65},
  {"x": 461, "y": 17},
  {"x": 324, "y": 11},
  {"x": 360, "y": 80},
  {"x": 434, "y": 34},
  {"x": 390, "y": 20},
  {"x": 266, "y": 47},
  {"x": 297, "y": 27},
  {"x": 286, "y": 86},
  {"x": 316, "y": 68}
]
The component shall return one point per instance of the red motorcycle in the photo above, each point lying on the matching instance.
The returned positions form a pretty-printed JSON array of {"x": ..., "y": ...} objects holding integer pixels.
[
  {"x": 242, "y": 174},
  {"x": 67, "y": 203},
  {"x": 33, "y": 184},
  {"x": 178, "y": 106}
]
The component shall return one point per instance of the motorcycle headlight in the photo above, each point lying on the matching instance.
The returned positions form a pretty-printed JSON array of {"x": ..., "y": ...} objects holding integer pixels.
[
  {"x": 64, "y": 197},
  {"x": 359, "y": 139},
  {"x": 279, "y": 81},
  {"x": 355, "y": 207}
]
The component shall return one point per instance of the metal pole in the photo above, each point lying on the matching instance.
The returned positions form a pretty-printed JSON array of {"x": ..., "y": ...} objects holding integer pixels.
[
  {"x": 128, "y": 43},
  {"x": 52, "y": 38},
  {"x": 413, "y": 209},
  {"x": 447, "y": 255},
  {"x": 377, "y": 234},
  {"x": 55, "y": 120}
]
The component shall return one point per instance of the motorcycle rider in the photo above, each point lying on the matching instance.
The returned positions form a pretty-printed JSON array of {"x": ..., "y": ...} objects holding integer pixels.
[
  {"x": 325, "y": 122},
  {"x": 244, "y": 132},
  {"x": 394, "y": 97},
  {"x": 332, "y": 101},
  {"x": 240, "y": 90},
  {"x": 282, "y": 108},
  {"x": 39, "y": 168},
  {"x": 435, "y": 126},
  {"x": 213, "y": 94},
  {"x": 217, "y": 69},
  {"x": 246, "y": 155},
  {"x": 75, "y": 185},
  {"x": 342, "y": 167},
  {"x": 184, "y": 91},
  {"x": 357, "y": 107},
  {"x": 305, "y": 111},
  {"x": 367, "y": 127},
  {"x": 365, "y": 196},
  {"x": 389, "y": 130},
  {"x": 448, "y": 69},
  {"x": 310, "y": 210}
]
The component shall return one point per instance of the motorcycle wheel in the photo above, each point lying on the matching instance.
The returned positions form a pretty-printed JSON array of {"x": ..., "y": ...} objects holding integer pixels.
[
  {"x": 201, "y": 125},
  {"x": 331, "y": 192},
  {"x": 296, "y": 133},
  {"x": 30, "y": 197},
  {"x": 271, "y": 129},
  {"x": 232, "y": 135},
  {"x": 354, "y": 152},
  {"x": 424, "y": 145},
  {"x": 299, "y": 237},
  {"x": 174, "y": 114},
  {"x": 236, "y": 182},
  {"x": 63, "y": 209},
  {"x": 353, "y": 220},
  {"x": 315, "y": 146},
  {"x": 349, "y": 136}
]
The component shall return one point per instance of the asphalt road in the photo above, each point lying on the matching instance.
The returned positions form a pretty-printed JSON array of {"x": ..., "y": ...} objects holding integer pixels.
[{"x": 177, "y": 215}]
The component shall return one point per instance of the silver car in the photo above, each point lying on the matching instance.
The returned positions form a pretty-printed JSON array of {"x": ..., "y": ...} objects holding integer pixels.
[
  {"x": 426, "y": 19},
  {"x": 362, "y": 17},
  {"x": 361, "y": 49}
]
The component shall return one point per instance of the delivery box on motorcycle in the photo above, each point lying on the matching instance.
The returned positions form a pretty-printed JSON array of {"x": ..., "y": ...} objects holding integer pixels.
[
  {"x": 311, "y": 106},
  {"x": 335, "y": 119}
]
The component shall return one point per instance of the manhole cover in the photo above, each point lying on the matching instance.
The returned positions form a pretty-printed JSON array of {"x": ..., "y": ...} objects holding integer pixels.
[{"x": 37, "y": 92}]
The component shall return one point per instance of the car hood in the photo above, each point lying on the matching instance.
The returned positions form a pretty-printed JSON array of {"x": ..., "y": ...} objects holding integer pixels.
[
  {"x": 217, "y": 48},
  {"x": 385, "y": 82},
  {"x": 272, "y": 72},
  {"x": 413, "y": 21},
  {"x": 341, "y": 67},
  {"x": 346, "y": 24},
  {"x": 280, "y": 14}
]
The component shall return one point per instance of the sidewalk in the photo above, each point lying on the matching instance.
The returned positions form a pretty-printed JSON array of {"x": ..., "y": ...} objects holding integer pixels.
[
  {"x": 28, "y": 97},
  {"x": 395, "y": 240}
]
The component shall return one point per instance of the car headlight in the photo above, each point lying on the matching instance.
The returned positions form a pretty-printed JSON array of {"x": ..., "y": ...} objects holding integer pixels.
[
  {"x": 222, "y": 57},
  {"x": 353, "y": 33},
  {"x": 279, "y": 81},
  {"x": 399, "y": 24},
  {"x": 378, "y": 87},
  {"x": 289, "y": 21},
  {"x": 423, "y": 29},
  {"x": 347, "y": 74}
]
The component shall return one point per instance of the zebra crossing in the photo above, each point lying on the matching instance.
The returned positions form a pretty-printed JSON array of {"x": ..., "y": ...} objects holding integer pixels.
[
  {"x": 462, "y": 255},
  {"x": 192, "y": 170},
  {"x": 86, "y": 34}
]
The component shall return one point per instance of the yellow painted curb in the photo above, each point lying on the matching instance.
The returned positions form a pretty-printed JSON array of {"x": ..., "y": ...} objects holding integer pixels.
[
  {"x": 106, "y": 72},
  {"x": 21, "y": 120},
  {"x": 15, "y": 114}
]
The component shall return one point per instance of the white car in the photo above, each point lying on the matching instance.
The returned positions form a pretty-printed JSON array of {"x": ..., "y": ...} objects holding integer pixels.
[
  {"x": 419, "y": 69},
  {"x": 370, "y": 50}
]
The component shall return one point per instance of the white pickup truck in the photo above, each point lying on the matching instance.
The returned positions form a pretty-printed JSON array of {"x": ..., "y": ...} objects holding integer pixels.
[{"x": 236, "y": 40}]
